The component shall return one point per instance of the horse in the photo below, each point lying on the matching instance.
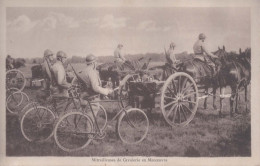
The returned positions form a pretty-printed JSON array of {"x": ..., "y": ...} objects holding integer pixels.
[
  {"x": 235, "y": 72},
  {"x": 203, "y": 74}
]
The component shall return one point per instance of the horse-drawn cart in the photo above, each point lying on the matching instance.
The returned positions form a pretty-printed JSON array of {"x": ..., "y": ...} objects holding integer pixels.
[{"x": 179, "y": 95}]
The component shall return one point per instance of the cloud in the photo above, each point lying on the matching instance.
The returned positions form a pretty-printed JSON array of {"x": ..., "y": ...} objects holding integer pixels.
[
  {"x": 110, "y": 22},
  {"x": 54, "y": 20},
  {"x": 21, "y": 23},
  {"x": 151, "y": 26},
  {"x": 91, "y": 21}
]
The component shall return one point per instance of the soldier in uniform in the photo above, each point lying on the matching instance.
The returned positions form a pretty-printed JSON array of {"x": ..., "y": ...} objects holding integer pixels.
[
  {"x": 46, "y": 67},
  {"x": 202, "y": 53},
  {"x": 170, "y": 57},
  {"x": 92, "y": 84},
  {"x": 118, "y": 54},
  {"x": 9, "y": 62},
  {"x": 60, "y": 75}
]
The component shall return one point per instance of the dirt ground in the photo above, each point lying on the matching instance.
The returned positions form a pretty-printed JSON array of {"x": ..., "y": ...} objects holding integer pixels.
[{"x": 207, "y": 135}]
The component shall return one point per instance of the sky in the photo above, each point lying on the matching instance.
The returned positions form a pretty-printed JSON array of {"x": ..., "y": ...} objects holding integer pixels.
[{"x": 98, "y": 30}]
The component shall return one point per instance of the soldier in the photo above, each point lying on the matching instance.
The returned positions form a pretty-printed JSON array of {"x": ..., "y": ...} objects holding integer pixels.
[
  {"x": 170, "y": 57},
  {"x": 202, "y": 53},
  {"x": 118, "y": 54},
  {"x": 92, "y": 84},
  {"x": 9, "y": 62},
  {"x": 46, "y": 67},
  {"x": 60, "y": 75}
]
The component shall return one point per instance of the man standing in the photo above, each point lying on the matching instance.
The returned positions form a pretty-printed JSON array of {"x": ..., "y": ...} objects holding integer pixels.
[
  {"x": 46, "y": 67},
  {"x": 118, "y": 54},
  {"x": 91, "y": 82},
  {"x": 90, "y": 78},
  {"x": 60, "y": 75}
]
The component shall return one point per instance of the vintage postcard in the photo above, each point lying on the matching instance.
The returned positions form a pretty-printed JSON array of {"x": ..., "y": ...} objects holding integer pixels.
[{"x": 130, "y": 82}]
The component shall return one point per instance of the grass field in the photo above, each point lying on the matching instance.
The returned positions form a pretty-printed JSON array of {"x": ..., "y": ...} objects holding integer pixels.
[{"x": 207, "y": 135}]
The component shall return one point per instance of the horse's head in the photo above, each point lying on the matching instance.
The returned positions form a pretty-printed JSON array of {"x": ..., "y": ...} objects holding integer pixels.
[
  {"x": 246, "y": 55},
  {"x": 223, "y": 56}
]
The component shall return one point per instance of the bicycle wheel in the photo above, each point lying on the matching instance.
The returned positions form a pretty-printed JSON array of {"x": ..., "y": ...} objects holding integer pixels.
[
  {"x": 9, "y": 91},
  {"x": 37, "y": 124},
  {"x": 73, "y": 131},
  {"x": 16, "y": 101},
  {"x": 132, "y": 127}
]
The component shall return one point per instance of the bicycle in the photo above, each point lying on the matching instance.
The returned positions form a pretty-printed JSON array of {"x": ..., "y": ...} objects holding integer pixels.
[
  {"x": 37, "y": 122},
  {"x": 15, "y": 100},
  {"x": 75, "y": 130}
]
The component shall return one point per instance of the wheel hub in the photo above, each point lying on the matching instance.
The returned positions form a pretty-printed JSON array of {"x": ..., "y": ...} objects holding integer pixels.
[
  {"x": 39, "y": 125},
  {"x": 179, "y": 97},
  {"x": 13, "y": 81}
]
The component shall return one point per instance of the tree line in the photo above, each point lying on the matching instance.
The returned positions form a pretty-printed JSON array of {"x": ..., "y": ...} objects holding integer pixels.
[{"x": 156, "y": 57}]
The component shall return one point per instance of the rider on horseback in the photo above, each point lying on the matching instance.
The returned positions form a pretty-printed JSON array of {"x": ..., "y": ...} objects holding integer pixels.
[{"x": 202, "y": 53}]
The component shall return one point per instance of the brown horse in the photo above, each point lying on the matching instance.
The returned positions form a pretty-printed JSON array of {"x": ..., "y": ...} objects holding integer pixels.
[
  {"x": 204, "y": 75},
  {"x": 235, "y": 72}
]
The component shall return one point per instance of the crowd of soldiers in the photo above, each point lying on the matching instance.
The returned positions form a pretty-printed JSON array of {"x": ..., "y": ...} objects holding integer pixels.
[{"x": 55, "y": 74}]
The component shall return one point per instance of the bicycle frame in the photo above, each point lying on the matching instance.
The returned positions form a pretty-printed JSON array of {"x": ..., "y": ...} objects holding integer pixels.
[{"x": 115, "y": 117}]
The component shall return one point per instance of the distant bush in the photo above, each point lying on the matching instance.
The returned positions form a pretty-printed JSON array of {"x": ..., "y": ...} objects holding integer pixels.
[{"x": 155, "y": 57}]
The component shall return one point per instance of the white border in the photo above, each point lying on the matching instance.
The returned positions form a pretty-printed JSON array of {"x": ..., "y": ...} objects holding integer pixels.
[{"x": 255, "y": 106}]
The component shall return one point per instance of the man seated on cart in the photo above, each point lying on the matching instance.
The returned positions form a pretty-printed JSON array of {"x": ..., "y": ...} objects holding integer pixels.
[
  {"x": 170, "y": 56},
  {"x": 119, "y": 57},
  {"x": 90, "y": 79}
]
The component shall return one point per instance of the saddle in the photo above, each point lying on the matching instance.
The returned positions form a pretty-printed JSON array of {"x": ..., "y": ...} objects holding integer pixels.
[{"x": 205, "y": 68}]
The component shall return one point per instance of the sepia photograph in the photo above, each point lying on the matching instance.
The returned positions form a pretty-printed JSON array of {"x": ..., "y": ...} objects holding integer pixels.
[{"x": 128, "y": 84}]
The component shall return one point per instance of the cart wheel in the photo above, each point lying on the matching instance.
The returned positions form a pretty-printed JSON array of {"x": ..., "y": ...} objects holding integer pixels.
[
  {"x": 37, "y": 124},
  {"x": 124, "y": 96},
  {"x": 73, "y": 131},
  {"x": 132, "y": 126},
  {"x": 15, "y": 79},
  {"x": 16, "y": 101},
  {"x": 179, "y": 99}
]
